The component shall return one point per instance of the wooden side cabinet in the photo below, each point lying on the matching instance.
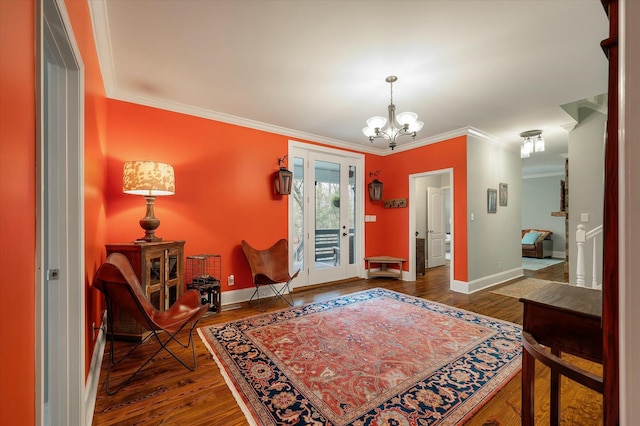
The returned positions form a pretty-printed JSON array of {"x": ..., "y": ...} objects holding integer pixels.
[{"x": 159, "y": 267}]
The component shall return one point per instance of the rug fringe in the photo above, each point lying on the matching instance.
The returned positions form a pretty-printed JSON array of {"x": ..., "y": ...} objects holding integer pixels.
[{"x": 243, "y": 406}]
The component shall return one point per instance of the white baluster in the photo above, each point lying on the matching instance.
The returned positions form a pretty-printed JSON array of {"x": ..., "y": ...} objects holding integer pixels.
[
  {"x": 594, "y": 281},
  {"x": 581, "y": 235}
]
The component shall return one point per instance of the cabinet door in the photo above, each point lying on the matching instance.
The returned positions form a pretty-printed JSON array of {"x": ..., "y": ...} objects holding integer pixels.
[
  {"x": 154, "y": 276},
  {"x": 173, "y": 277}
]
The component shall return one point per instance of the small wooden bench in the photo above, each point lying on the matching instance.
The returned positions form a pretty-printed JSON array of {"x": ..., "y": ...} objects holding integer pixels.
[{"x": 383, "y": 261}]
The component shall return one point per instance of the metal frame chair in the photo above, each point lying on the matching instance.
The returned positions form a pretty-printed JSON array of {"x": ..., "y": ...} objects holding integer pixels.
[
  {"x": 270, "y": 267},
  {"x": 117, "y": 280}
]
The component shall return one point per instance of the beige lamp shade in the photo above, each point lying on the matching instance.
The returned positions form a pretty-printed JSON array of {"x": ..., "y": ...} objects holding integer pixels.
[{"x": 148, "y": 178}]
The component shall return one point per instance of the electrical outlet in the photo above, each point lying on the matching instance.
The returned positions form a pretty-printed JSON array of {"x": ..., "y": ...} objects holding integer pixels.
[
  {"x": 231, "y": 280},
  {"x": 500, "y": 265}
]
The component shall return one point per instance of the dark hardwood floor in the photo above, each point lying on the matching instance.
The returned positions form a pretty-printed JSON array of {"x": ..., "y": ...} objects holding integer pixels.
[{"x": 166, "y": 393}]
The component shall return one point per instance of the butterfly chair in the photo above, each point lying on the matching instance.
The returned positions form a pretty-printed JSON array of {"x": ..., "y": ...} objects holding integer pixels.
[
  {"x": 270, "y": 267},
  {"x": 117, "y": 280}
]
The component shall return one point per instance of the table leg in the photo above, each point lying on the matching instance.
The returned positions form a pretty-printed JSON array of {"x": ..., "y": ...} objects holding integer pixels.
[
  {"x": 528, "y": 384},
  {"x": 554, "y": 396}
]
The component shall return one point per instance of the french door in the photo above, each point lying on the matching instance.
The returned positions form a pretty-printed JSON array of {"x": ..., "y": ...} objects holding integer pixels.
[{"x": 326, "y": 204}]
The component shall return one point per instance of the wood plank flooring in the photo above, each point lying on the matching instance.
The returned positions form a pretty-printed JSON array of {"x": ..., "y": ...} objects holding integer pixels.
[{"x": 168, "y": 394}]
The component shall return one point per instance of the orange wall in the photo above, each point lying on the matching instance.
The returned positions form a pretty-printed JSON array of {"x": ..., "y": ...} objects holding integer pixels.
[
  {"x": 389, "y": 234},
  {"x": 223, "y": 188},
  {"x": 17, "y": 223},
  {"x": 224, "y": 191},
  {"x": 18, "y": 190},
  {"x": 223, "y": 183}
]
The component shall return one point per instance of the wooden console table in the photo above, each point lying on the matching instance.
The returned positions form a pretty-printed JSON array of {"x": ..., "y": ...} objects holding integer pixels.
[
  {"x": 383, "y": 261},
  {"x": 567, "y": 319}
]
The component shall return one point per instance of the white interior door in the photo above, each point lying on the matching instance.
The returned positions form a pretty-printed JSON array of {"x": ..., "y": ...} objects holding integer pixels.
[{"x": 435, "y": 227}]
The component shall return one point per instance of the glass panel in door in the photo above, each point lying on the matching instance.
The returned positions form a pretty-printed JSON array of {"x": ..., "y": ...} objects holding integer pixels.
[
  {"x": 352, "y": 214},
  {"x": 328, "y": 206},
  {"x": 298, "y": 235}
]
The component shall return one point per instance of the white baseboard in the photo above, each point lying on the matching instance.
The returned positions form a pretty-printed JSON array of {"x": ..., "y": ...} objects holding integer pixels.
[
  {"x": 231, "y": 297},
  {"x": 558, "y": 254},
  {"x": 486, "y": 282},
  {"x": 91, "y": 387}
]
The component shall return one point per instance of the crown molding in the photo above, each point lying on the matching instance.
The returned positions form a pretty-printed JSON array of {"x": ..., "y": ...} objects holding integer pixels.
[
  {"x": 543, "y": 175},
  {"x": 102, "y": 38}
]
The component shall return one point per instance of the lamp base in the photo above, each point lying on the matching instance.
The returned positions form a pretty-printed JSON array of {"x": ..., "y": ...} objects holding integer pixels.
[
  {"x": 150, "y": 223},
  {"x": 149, "y": 239}
]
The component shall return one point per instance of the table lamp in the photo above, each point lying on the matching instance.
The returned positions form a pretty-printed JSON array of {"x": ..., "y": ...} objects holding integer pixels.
[{"x": 149, "y": 179}]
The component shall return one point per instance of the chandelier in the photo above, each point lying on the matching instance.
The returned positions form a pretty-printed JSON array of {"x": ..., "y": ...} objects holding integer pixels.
[
  {"x": 404, "y": 124},
  {"x": 533, "y": 142}
]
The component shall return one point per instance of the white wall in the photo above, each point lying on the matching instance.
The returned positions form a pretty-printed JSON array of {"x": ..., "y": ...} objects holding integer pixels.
[
  {"x": 540, "y": 197},
  {"x": 494, "y": 240},
  {"x": 586, "y": 186}
]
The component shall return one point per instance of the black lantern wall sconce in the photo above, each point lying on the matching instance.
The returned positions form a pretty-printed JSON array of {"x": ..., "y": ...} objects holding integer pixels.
[
  {"x": 283, "y": 178},
  {"x": 375, "y": 187}
]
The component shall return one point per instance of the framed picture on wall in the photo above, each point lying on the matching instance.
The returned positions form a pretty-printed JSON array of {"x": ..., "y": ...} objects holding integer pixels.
[
  {"x": 504, "y": 194},
  {"x": 492, "y": 200}
]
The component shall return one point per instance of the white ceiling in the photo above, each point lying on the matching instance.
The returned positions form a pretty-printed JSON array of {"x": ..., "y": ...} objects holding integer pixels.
[{"x": 317, "y": 69}]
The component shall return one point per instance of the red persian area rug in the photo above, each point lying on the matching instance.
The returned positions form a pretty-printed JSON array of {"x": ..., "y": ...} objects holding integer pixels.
[{"x": 371, "y": 358}]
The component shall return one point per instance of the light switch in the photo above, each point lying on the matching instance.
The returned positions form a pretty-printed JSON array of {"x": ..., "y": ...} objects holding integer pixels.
[{"x": 584, "y": 217}]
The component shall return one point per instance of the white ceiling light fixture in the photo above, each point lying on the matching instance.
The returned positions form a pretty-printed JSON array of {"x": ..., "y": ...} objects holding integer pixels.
[
  {"x": 533, "y": 142},
  {"x": 404, "y": 124}
]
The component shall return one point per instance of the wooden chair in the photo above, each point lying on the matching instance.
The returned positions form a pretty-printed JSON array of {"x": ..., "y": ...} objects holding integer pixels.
[
  {"x": 270, "y": 267},
  {"x": 117, "y": 280}
]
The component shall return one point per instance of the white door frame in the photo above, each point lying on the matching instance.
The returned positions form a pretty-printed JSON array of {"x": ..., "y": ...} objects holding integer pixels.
[
  {"x": 412, "y": 221},
  {"x": 295, "y": 148},
  {"x": 60, "y": 302}
]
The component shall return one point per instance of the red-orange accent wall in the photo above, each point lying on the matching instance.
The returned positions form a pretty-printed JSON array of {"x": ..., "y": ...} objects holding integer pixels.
[
  {"x": 389, "y": 234},
  {"x": 18, "y": 195},
  {"x": 17, "y": 203},
  {"x": 224, "y": 192},
  {"x": 224, "y": 189}
]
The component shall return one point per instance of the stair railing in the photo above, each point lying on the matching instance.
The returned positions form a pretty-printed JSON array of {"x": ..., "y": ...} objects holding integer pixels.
[{"x": 582, "y": 236}]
